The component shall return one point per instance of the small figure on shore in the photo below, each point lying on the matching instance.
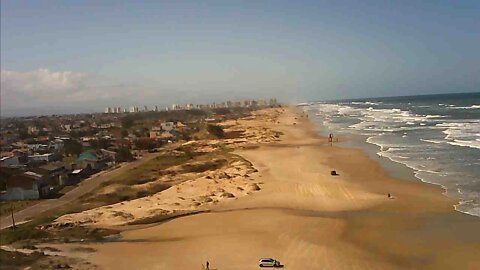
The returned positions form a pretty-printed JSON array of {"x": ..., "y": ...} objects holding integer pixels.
[
  {"x": 389, "y": 196},
  {"x": 330, "y": 137},
  {"x": 208, "y": 265}
]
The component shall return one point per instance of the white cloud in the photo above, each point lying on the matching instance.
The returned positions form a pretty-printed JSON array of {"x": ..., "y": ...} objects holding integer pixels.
[
  {"x": 41, "y": 83},
  {"x": 45, "y": 91}
]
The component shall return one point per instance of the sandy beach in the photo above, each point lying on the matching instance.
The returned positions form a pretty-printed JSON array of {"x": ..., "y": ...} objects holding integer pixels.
[{"x": 301, "y": 215}]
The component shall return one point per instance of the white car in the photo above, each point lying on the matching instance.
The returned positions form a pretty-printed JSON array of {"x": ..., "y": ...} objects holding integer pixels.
[{"x": 268, "y": 262}]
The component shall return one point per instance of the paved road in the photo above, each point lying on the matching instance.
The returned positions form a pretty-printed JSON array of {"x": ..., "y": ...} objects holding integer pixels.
[{"x": 84, "y": 187}]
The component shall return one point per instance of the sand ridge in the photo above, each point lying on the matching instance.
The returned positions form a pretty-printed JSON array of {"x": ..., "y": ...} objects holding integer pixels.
[{"x": 307, "y": 218}]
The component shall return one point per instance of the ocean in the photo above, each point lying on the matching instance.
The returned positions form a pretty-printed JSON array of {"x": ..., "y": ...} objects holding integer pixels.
[{"x": 437, "y": 136}]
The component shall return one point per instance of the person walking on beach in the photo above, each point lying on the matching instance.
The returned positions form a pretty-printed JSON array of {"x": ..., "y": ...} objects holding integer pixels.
[
  {"x": 208, "y": 265},
  {"x": 330, "y": 137}
]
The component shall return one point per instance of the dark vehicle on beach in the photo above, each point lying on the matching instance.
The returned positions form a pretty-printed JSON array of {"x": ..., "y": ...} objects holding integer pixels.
[{"x": 268, "y": 262}]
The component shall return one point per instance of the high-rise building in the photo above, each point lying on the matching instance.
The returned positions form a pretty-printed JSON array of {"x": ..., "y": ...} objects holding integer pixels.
[{"x": 132, "y": 109}]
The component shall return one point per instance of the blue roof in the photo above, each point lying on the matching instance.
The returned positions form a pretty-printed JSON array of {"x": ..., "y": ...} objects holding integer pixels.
[{"x": 87, "y": 155}]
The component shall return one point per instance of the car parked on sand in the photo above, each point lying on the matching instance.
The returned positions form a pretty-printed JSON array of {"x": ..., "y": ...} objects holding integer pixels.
[{"x": 268, "y": 262}]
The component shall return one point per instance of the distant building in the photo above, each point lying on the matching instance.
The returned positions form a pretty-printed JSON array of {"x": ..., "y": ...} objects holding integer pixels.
[
  {"x": 168, "y": 126},
  {"x": 180, "y": 126},
  {"x": 42, "y": 158},
  {"x": 22, "y": 187},
  {"x": 161, "y": 135},
  {"x": 9, "y": 161},
  {"x": 56, "y": 171},
  {"x": 28, "y": 185},
  {"x": 132, "y": 109},
  {"x": 32, "y": 130},
  {"x": 91, "y": 159},
  {"x": 56, "y": 145}
]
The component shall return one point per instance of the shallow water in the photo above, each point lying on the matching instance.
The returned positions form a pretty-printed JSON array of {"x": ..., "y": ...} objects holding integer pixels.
[{"x": 437, "y": 136}]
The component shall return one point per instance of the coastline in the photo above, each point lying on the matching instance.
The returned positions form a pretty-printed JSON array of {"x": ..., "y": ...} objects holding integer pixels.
[
  {"x": 395, "y": 168},
  {"x": 308, "y": 219}
]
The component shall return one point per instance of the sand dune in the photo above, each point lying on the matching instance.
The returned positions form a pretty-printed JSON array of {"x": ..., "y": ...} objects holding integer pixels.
[{"x": 307, "y": 218}]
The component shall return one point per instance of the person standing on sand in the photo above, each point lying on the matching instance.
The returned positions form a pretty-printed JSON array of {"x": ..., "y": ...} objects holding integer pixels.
[
  {"x": 208, "y": 265},
  {"x": 330, "y": 137}
]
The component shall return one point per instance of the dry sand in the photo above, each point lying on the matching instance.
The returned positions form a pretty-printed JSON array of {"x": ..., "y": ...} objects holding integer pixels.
[{"x": 307, "y": 218}]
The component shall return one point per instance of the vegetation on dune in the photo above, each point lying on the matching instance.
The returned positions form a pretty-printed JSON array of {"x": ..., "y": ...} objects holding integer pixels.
[
  {"x": 216, "y": 131},
  {"x": 7, "y": 206},
  {"x": 205, "y": 166},
  {"x": 33, "y": 231},
  {"x": 123, "y": 155},
  {"x": 17, "y": 260}
]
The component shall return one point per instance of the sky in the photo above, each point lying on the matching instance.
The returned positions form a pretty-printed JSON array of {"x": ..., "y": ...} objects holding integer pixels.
[{"x": 82, "y": 56}]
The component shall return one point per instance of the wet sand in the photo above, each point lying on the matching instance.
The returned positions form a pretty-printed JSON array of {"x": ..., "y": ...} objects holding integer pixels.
[{"x": 308, "y": 219}]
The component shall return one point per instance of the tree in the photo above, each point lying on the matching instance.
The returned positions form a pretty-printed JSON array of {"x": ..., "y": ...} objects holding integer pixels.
[
  {"x": 73, "y": 147},
  {"x": 127, "y": 122},
  {"x": 216, "y": 131},
  {"x": 23, "y": 134},
  {"x": 145, "y": 144},
  {"x": 221, "y": 110},
  {"x": 123, "y": 155},
  {"x": 42, "y": 133}
]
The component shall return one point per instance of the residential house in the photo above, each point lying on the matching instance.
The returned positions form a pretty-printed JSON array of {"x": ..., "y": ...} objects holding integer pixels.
[
  {"x": 166, "y": 136},
  {"x": 56, "y": 145},
  {"x": 180, "y": 126},
  {"x": 57, "y": 173},
  {"x": 155, "y": 134},
  {"x": 168, "y": 126},
  {"x": 37, "y": 147},
  {"x": 21, "y": 187},
  {"x": 90, "y": 158},
  {"x": 48, "y": 157},
  {"x": 110, "y": 156},
  {"x": 32, "y": 130},
  {"x": 9, "y": 161},
  {"x": 77, "y": 175},
  {"x": 15, "y": 158},
  {"x": 26, "y": 186}
]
